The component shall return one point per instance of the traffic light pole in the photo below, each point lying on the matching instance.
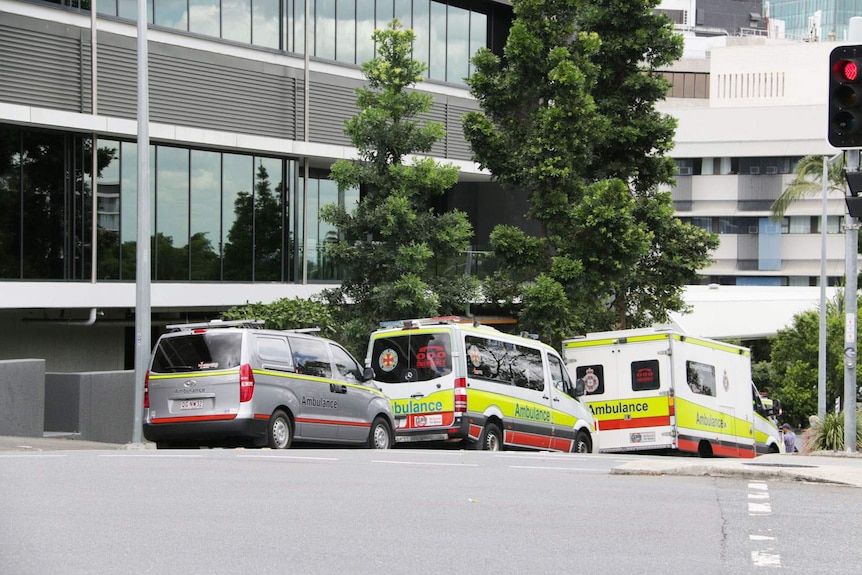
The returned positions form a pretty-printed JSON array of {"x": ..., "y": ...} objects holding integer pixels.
[{"x": 851, "y": 257}]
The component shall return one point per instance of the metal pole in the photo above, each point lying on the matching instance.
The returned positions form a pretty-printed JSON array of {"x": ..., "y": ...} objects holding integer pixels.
[
  {"x": 851, "y": 255},
  {"x": 821, "y": 356},
  {"x": 94, "y": 236},
  {"x": 142, "y": 264}
]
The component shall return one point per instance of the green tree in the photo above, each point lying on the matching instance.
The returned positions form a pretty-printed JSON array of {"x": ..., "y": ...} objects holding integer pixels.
[
  {"x": 809, "y": 182},
  {"x": 793, "y": 371},
  {"x": 397, "y": 254},
  {"x": 569, "y": 116},
  {"x": 287, "y": 313}
]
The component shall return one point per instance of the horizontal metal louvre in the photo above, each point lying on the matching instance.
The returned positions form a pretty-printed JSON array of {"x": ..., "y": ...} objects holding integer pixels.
[
  {"x": 457, "y": 147},
  {"x": 40, "y": 69},
  {"x": 437, "y": 114},
  {"x": 205, "y": 95},
  {"x": 330, "y": 107},
  {"x": 118, "y": 81}
]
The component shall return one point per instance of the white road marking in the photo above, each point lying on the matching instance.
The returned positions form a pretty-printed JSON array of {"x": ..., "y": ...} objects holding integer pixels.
[
  {"x": 278, "y": 457},
  {"x": 759, "y": 506},
  {"x": 425, "y": 463},
  {"x": 555, "y": 468}
]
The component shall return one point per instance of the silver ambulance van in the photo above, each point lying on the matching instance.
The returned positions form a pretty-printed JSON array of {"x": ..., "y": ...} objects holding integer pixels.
[{"x": 223, "y": 382}]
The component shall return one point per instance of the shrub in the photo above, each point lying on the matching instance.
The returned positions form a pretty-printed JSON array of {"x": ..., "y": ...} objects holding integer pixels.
[{"x": 828, "y": 434}]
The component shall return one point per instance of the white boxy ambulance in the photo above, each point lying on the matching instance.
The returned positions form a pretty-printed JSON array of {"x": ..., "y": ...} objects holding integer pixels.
[
  {"x": 457, "y": 381},
  {"x": 656, "y": 389}
]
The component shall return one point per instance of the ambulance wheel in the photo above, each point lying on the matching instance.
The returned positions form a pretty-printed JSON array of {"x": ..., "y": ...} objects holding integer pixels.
[
  {"x": 279, "y": 434},
  {"x": 492, "y": 438},
  {"x": 380, "y": 436},
  {"x": 583, "y": 444}
]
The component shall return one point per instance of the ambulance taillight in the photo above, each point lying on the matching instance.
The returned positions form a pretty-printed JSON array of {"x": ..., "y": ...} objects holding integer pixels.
[
  {"x": 461, "y": 395},
  {"x": 671, "y": 408},
  {"x": 246, "y": 383},
  {"x": 147, "y": 390}
]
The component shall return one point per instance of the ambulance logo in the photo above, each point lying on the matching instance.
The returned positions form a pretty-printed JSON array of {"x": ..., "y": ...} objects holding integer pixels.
[
  {"x": 726, "y": 381},
  {"x": 475, "y": 356},
  {"x": 387, "y": 360},
  {"x": 591, "y": 381}
]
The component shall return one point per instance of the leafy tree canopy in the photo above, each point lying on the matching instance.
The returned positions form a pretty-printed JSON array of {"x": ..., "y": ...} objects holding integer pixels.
[{"x": 568, "y": 115}]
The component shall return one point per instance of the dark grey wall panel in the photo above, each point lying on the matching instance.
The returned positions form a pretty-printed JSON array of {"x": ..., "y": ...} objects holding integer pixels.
[
  {"x": 457, "y": 147},
  {"x": 43, "y": 64}
]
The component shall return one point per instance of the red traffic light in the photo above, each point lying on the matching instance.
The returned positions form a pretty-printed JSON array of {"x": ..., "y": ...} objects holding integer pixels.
[
  {"x": 846, "y": 70},
  {"x": 845, "y": 97}
]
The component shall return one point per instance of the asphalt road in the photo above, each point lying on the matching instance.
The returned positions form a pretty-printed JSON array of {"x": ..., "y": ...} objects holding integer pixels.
[{"x": 414, "y": 511}]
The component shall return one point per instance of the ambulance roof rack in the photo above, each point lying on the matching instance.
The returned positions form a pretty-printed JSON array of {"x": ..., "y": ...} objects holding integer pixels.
[
  {"x": 414, "y": 323},
  {"x": 218, "y": 323},
  {"x": 302, "y": 330}
]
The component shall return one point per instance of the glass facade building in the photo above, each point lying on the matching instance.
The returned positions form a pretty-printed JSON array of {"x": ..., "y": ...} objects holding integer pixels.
[{"x": 798, "y": 17}]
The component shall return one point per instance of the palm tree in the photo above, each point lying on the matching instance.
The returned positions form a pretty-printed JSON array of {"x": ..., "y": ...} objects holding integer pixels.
[{"x": 809, "y": 181}]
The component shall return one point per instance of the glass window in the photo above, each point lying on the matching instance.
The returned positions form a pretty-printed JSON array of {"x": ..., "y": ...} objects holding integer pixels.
[
  {"x": 295, "y": 28},
  {"x": 129, "y": 209},
  {"x": 172, "y": 213},
  {"x": 274, "y": 349},
  {"x": 236, "y": 16},
  {"x": 310, "y": 357},
  {"x": 457, "y": 44},
  {"x": 324, "y": 29},
  {"x": 364, "y": 30},
  {"x": 108, "y": 190},
  {"x": 478, "y": 35},
  {"x": 171, "y": 14},
  {"x": 800, "y": 224},
  {"x": 422, "y": 30},
  {"x": 204, "y": 17},
  {"x": 645, "y": 375},
  {"x": 265, "y": 23},
  {"x": 128, "y": 9},
  {"x": 504, "y": 362},
  {"x": 593, "y": 377},
  {"x": 10, "y": 202},
  {"x": 437, "y": 56},
  {"x": 268, "y": 223},
  {"x": 384, "y": 13},
  {"x": 406, "y": 358},
  {"x": 559, "y": 376},
  {"x": 346, "y": 367},
  {"x": 237, "y": 217},
  {"x": 345, "y": 48},
  {"x": 700, "y": 378},
  {"x": 205, "y": 215},
  {"x": 42, "y": 163},
  {"x": 198, "y": 352}
]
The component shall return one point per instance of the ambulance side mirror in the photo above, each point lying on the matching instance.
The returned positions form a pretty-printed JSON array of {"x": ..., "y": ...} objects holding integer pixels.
[
  {"x": 579, "y": 388},
  {"x": 367, "y": 374}
]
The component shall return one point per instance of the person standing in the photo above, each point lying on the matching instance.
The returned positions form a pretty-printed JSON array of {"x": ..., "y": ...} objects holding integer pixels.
[{"x": 789, "y": 439}]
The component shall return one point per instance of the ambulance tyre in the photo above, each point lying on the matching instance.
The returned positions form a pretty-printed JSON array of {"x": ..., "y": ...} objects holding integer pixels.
[
  {"x": 380, "y": 436},
  {"x": 704, "y": 449},
  {"x": 279, "y": 433},
  {"x": 491, "y": 439},
  {"x": 582, "y": 444}
]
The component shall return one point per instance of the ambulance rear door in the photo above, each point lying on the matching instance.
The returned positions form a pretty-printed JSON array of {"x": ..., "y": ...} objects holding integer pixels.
[
  {"x": 629, "y": 388},
  {"x": 414, "y": 368}
]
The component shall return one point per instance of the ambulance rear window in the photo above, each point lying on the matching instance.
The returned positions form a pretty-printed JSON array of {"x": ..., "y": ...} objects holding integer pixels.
[
  {"x": 406, "y": 358},
  {"x": 197, "y": 352}
]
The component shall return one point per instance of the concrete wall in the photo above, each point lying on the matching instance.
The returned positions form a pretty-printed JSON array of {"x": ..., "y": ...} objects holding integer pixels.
[
  {"x": 100, "y": 406},
  {"x": 22, "y": 397}
]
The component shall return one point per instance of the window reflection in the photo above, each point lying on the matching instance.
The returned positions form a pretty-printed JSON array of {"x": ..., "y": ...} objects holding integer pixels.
[
  {"x": 205, "y": 215},
  {"x": 172, "y": 213},
  {"x": 447, "y": 36},
  {"x": 268, "y": 186},
  {"x": 237, "y": 183},
  {"x": 204, "y": 17}
]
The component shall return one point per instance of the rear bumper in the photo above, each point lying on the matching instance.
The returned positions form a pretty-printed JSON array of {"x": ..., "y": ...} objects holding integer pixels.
[
  {"x": 458, "y": 430},
  {"x": 206, "y": 430}
]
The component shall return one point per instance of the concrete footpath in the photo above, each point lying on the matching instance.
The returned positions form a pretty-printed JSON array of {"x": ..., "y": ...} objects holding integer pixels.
[{"x": 820, "y": 467}]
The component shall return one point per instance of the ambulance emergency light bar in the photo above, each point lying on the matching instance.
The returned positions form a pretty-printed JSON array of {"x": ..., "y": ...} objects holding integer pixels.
[
  {"x": 217, "y": 323},
  {"x": 414, "y": 323}
]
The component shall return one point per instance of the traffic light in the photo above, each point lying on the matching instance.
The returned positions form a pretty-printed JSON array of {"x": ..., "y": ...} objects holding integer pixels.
[{"x": 845, "y": 97}]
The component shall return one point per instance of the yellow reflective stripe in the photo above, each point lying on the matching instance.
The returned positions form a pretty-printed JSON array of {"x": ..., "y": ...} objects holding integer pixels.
[
  {"x": 416, "y": 331},
  {"x": 713, "y": 345},
  {"x": 657, "y": 406},
  {"x": 316, "y": 379},
  {"x": 445, "y": 397},
  {"x": 693, "y": 416},
  {"x": 622, "y": 340},
  {"x": 478, "y": 401},
  {"x": 196, "y": 374}
]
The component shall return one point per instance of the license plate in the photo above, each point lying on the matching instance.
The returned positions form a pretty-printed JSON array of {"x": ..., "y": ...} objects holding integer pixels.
[{"x": 192, "y": 404}]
